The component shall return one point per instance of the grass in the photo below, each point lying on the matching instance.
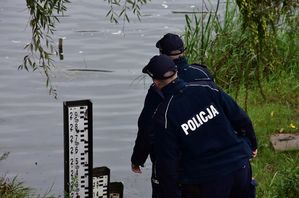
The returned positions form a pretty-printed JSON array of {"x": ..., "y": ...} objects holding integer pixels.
[
  {"x": 277, "y": 172},
  {"x": 272, "y": 167},
  {"x": 14, "y": 188}
]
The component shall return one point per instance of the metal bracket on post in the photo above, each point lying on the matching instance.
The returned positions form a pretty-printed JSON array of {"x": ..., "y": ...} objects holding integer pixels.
[{"x": 78, "y": 148}]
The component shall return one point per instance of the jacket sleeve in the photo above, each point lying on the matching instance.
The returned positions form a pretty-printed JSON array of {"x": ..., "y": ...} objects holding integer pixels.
[
  {"x": 238, "y": 118},
  {"x": 143, "y": 142}
]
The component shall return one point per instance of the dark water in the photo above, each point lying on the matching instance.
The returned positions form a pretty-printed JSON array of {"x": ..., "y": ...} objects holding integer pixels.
[{"x": 31, "y": 121}]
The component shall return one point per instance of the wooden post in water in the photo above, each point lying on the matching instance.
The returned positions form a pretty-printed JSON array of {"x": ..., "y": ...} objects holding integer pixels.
[
  {"x": 78, "y": 149},
  {"x": 60, "y": 48}
]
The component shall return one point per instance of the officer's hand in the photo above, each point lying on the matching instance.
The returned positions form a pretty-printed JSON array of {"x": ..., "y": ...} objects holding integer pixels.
[
  {"x": 254, "y": 153},
  {"x": 136, "y": 168}
]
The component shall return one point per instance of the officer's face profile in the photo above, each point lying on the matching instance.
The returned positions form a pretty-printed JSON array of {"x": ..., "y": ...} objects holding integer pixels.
[
  {"x": 158, "y": 83},
  {"x": 173, "y": 54},
  {"x": 176, "y": 54},
  {"x": 162, "y": 83}
]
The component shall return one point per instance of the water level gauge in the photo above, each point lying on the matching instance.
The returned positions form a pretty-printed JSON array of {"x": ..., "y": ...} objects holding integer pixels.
[{"x": 78, "y": 149}]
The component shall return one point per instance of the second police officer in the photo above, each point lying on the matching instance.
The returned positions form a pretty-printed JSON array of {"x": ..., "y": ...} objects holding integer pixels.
[{"x": 172, "y": 46}]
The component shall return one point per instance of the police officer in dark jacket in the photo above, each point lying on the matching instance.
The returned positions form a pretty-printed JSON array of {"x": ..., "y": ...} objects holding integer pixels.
[
  {"x": 172, "y": 46},
  {"x": 195, "y": 140}
]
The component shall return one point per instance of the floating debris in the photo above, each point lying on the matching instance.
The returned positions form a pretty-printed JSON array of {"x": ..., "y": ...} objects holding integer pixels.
[
  {"x": 164, "y": 5},
  {"x": 89, "y": 70},
  {"x": 87, "y": 31},
  {"x": 147, "y": 15},
  {"x": 118, "y": 32},
  {"x": 62, "y": 15},
  {"x": 60, "y": 48},
  {"x": 191, "y": 12},
  {"x": 15, "y": 41}
]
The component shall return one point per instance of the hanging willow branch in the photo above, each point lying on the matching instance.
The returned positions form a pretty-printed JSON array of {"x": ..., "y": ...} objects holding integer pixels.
[
  {"x": 42, "y": 47},
  {"x": 118, "y": 9}
]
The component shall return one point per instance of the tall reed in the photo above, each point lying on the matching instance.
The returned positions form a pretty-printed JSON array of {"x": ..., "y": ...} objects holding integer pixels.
[{"x": 240, "y": 56}]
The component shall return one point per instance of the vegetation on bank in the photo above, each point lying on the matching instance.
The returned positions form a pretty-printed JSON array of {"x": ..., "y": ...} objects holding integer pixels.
[
  {"x": 14, "y": 188},
  {"x": 253, "y": 52},
  {"x": 277, "y": 172},
  {"x": 244, "y": 48}
]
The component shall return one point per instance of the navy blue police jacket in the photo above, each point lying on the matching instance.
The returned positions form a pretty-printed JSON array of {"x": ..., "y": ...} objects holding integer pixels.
[
  {"x": 143, "y": 142},
  {"x": 195, "y": 135}
]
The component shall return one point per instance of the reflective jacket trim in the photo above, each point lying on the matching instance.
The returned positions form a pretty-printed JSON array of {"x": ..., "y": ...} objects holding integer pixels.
[
  {"x": 196, "y": 85},
  {"x": 201, "y": 71},
  {"x": 198, "y": 79},
  {"x": 165, "y": 115}
]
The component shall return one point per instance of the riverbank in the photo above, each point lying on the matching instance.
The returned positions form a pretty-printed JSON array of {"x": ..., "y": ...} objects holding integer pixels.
[{"x": 276, "y": 172}]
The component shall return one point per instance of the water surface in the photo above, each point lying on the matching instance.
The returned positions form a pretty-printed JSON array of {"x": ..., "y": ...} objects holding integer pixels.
[{"x": 31, "y": 122}]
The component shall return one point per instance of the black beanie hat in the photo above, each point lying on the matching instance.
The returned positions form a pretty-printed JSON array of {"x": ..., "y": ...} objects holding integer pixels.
[
  {"x": 160, "y": 67},
  {"x": 170, "y": 42}
]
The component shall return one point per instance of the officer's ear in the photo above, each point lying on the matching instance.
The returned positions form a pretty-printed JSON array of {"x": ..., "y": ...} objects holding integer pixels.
[
  {"x": 160, "y": 51},
  {"x": 176, "y": 54},
  {"x": 162, "y": 83},
  {"x": 158, "y": 83}
]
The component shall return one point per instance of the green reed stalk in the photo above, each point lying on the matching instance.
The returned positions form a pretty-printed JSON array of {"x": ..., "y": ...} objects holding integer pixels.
[{"x": 244, "y": 53}]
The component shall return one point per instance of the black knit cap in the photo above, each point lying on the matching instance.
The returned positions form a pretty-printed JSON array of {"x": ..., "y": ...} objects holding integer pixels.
[
  {"x": 170, "y": 42},
  {"x": 160, "y": 67}
]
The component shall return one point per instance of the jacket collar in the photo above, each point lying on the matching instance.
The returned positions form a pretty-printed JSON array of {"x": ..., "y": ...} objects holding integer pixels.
[
  {"x": 182, "y": 63},
  {"x": 174, "y": 87}
]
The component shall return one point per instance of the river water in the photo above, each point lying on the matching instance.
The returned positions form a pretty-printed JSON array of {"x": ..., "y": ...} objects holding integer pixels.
[{"x": 31, "y": 121}]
